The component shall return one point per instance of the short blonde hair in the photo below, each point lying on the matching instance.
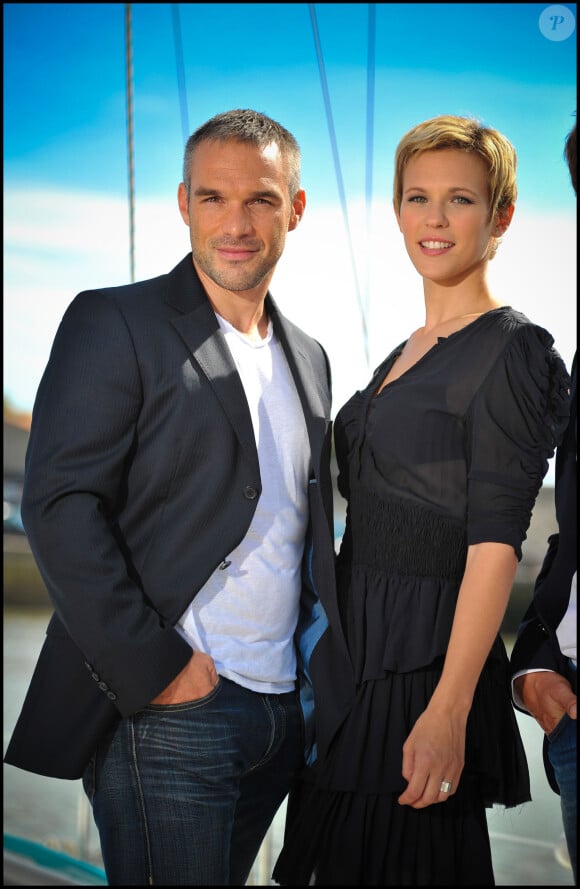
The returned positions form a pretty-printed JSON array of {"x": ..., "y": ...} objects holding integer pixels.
[{"x": 463, "y": 134}]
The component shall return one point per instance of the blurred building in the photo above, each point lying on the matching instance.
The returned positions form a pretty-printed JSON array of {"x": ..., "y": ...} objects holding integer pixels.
[{"x": 16, "y": 431}]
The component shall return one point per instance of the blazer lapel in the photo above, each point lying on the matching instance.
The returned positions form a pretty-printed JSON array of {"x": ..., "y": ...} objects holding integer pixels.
[
  {"x": 304, "y": 377},
  {"x": 199, "y": 329}
]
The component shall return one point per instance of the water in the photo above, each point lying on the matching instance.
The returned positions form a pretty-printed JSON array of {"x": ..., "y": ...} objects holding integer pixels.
[{"x": 55, "y": 812}]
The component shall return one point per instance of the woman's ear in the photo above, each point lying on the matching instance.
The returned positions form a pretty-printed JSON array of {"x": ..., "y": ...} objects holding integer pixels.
[
  {"x": 504, "y": 217},
  {"x": 397, "y": 215}
]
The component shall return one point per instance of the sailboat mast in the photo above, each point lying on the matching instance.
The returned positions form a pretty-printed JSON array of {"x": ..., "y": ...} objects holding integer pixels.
[{"x": 130, "y": 147}]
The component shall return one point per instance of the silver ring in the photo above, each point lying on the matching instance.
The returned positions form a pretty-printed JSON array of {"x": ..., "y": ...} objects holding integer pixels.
[{"x": 446, "y": 786}]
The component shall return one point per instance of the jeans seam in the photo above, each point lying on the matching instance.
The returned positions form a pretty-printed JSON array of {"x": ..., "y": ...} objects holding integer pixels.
[
  {"x": 270, "y": 747},
  {"x": 142, "y": 803},
  {"x": 92, "y": 771}
]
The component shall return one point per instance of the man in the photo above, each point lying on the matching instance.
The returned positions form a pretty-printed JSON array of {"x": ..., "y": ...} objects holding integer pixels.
[
  {"x": 544, "y": 657},
  {"x": 178, "y": 502}
]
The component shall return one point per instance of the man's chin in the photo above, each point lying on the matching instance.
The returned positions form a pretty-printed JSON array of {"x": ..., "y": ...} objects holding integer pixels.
[{"x": 236, "y": 282}]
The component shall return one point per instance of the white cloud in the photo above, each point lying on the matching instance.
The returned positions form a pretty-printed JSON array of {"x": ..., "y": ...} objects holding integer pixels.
[
  {"x": 534, "y": 271},
  {"x": 57, "y": 244}
]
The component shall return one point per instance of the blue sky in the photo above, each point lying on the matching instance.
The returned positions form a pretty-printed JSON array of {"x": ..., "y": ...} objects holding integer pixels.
[{"x": 65, "y": 154}]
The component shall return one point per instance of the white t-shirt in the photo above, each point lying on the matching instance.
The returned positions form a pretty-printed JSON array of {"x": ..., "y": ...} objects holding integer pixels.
[{"x": 245, "y": 615}]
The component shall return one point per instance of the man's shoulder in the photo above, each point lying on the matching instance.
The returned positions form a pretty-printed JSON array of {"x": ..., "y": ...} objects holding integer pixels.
[
  {"x": 133, "y": 289},
  {"x": 139, "y": 300}
]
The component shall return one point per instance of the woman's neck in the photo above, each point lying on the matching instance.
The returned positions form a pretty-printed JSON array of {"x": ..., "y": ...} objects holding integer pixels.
[{"x": 444, "y": 305}]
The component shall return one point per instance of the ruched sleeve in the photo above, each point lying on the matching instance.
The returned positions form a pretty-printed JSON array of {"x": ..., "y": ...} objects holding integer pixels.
[{"x": 515, "y": 422}]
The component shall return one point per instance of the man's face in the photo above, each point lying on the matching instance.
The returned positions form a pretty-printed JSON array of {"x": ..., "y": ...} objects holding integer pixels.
[{"x": 238, "y": 212}]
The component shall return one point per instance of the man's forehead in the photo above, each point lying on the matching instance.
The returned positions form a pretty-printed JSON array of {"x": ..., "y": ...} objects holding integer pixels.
[{"x": 271, "y": 151}]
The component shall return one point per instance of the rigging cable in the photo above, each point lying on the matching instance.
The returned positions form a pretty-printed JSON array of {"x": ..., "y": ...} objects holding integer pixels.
[
  {"x": 369, "y": 155},
  {"x": 130, "y": 149},
  {"x": 180, "y": 72},
  {"x": 339, "y": 181}
]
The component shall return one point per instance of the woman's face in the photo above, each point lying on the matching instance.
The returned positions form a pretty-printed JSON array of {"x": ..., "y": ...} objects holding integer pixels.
[{"x": 444, "y": 214}]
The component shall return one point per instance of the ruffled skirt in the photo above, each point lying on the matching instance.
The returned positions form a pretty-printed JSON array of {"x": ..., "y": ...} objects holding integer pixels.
[
  {"x": 354, "y": 839},
  {"x": 344, "y": 825}
]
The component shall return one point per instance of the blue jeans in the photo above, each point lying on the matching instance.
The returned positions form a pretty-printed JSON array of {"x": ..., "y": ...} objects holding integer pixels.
[
  {"x": 562, "y": 755},
  {"x": 184, "y": 794}
]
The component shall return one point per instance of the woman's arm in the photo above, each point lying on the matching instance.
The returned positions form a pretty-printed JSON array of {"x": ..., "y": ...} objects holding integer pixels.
[{"x": 435, "y": 748}]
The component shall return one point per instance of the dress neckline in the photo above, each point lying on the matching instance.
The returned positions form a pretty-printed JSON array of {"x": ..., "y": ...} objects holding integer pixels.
[
  {"x": 471, "y": 323},
  {"x": 441, "y": 340}
]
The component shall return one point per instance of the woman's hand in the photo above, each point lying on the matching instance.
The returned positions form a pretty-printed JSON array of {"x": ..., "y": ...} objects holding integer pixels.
[{"x": 433, "y": 753}]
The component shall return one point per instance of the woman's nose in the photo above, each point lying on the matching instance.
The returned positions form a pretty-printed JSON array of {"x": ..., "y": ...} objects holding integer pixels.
[{"x": 436, "y": 216}]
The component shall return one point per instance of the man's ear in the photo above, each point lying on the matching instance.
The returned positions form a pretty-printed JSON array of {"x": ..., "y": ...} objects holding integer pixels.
[
  {"x": 183, "y": 202},
  {"x": 298, "y": 207}
]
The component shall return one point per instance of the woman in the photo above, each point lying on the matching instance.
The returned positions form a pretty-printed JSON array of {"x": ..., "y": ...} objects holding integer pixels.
[{"x": 440, "y": 460}]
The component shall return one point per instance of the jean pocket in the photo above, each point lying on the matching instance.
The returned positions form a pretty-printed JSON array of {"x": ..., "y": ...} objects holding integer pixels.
[
  {"x": 185, "y": 706},
  {"x": 558, "y": 728}
]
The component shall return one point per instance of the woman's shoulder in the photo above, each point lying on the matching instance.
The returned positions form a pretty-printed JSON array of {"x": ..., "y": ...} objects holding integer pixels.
[
  {"x": 510, "y": 320},
  {"x": 528, "y": 365},
  {"x": 519, "y": 334}
]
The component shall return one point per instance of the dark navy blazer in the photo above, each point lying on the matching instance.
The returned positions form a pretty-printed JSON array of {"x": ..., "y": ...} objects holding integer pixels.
[
  {"x": 536, "y": 643},
  {"x": 141, "y": 476}
]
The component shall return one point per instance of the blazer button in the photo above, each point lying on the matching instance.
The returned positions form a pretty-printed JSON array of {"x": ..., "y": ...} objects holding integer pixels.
[
  {"x": 250, "y": 493},
  {"x": 225, "y": 564}
]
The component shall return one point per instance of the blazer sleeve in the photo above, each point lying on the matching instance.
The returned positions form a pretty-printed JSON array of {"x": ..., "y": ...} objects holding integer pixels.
[
  {"x": 536, "y": 645},
  {"x": 84, "y": 427}
]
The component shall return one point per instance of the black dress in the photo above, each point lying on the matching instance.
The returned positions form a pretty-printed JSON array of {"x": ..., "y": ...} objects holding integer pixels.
[{"x": 451, "y": 453}]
